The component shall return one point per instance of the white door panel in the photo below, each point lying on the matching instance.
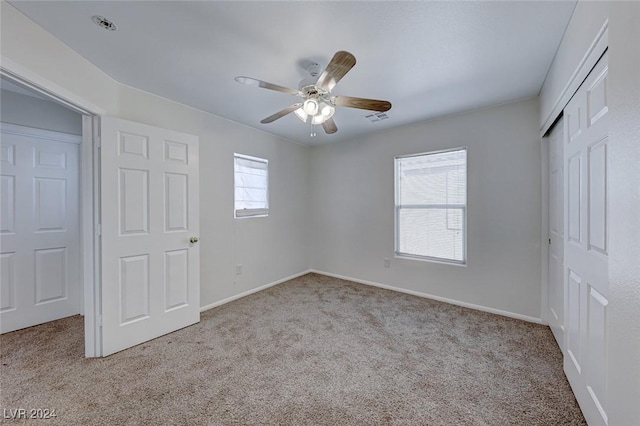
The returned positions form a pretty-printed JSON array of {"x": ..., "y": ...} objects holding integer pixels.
[
  {"x": 39, "y": 227},
  {"x": 150, "y": 269},
  {"x": 586, "y": 245},
  {"x": 556, "y": 233},
  {"x": 596, "y": 375},
  {"x": 574, "y": 319}
]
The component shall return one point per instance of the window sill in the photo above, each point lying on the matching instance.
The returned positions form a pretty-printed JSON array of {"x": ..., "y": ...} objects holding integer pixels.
[
  {"x": 429, "y": 260},
  {"x": 251, "y": 216},
  {"x": 246, "y": 213}
]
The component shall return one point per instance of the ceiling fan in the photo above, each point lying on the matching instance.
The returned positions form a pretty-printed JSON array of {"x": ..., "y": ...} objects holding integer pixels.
[{"x": 318, "y": 105}]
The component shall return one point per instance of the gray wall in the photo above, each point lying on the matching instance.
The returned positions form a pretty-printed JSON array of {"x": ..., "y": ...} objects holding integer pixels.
[
  {"x": 29, "y": 111},
  {"x": 269, "y": 248},
  {"x": 624, "y": 221},
  {"x": 352, "y": 205}
]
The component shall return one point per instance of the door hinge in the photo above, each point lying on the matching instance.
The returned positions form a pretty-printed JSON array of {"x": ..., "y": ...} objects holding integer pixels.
[
  {"x": 98, "y": 229},
  {"x": 99, "y": 320},
  {"x": 98, "y": 141}
]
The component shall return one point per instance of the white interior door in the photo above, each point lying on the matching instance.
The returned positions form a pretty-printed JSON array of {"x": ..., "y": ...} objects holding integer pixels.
[
  {"x": 149, "y": 213},
  {"x": 586, "y": 243},
  {"x": 39, "y": 227},
  {"x": 556, "y": 233}
]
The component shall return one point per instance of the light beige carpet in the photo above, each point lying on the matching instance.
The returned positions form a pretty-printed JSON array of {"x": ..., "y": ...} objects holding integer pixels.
[{"x": 314, "y": 350}]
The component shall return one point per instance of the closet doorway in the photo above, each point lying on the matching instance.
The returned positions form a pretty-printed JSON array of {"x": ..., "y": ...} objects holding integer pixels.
[{"x": 47, "y": 242}]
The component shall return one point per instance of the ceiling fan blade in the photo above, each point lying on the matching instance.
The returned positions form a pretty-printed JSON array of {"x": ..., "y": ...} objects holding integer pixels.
[
  {"x": 259, "y": 83},
  {"x": 340, "y": 64},
  {"x": 362, "y": 103},
  {"x": 280, "y": 114},
  {"x": 329, "y": 126}
]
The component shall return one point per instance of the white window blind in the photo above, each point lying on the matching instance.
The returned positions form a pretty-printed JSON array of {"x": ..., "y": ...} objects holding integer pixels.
[
  {"x": 431, "y": 202},
  {"x": 251, "y": 177}
]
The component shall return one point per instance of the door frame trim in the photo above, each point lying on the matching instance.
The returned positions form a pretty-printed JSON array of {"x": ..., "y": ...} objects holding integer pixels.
[
  {"x": 89, "y": 192},
  {"x": 50, "y": 135},
  {"x": 25, "y": 77},
  {"x": 591, "y": 57}
]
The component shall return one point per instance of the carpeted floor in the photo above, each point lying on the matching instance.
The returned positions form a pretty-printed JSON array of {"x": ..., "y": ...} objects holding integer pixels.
[{"x": 315, "y": 350}]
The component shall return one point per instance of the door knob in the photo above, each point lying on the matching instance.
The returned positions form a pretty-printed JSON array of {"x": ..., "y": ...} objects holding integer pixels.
[{"x": 194, "y": 239}]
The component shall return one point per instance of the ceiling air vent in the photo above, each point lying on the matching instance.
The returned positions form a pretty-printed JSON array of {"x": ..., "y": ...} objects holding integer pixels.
[
  {"x": 103, "y": 22},
  {"x": 376, "y": 116}
]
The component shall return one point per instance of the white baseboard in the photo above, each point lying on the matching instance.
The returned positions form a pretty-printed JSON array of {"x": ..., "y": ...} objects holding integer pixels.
[
  {"x": 255, "y": 290},
  {"x": 433, "y": 297}
]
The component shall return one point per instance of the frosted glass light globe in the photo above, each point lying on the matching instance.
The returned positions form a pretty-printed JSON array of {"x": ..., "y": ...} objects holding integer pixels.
[{"x": 310, "y": 106}]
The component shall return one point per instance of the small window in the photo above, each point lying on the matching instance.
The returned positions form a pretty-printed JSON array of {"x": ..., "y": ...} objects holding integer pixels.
[
  {"x": 251, "y": 178},
  {"x": 431, "y": 204}
]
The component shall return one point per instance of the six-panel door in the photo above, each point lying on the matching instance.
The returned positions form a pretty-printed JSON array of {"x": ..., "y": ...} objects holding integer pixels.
[
  {"x": 149, "y": 212},
  {"x": 39, "y": 227},
  {"x": 586, "y": 243},
  {"x": 556, "y": 234}
]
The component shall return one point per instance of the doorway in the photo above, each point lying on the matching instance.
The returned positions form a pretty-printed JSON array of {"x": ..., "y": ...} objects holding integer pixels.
[
  {"x": 48, "y": 242},
  {"x": 39, "y": 222},
  {"x": 139, "y": 192}
]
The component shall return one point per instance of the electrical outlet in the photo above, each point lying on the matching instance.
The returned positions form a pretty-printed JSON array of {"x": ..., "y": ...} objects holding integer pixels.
[
  {"x": 387, "y": 263},
  {"x": 238, "y": 269}
]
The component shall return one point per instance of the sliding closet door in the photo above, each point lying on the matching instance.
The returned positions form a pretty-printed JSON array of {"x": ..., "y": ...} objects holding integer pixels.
[
  {"x": 556, "y": 233},
  {"x": 586, "y": 243}
]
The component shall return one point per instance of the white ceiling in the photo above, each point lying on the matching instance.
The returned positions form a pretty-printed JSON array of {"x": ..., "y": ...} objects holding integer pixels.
[{"x": 429, "y": 59}]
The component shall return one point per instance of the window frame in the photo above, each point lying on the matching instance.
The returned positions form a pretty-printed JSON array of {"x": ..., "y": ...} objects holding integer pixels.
[
  {"x": 397, "y": 208},
  {"x": 249, "y": 213}
]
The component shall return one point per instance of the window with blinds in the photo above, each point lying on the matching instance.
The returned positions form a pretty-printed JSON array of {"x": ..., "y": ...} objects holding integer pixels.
[
  {"x": 431, "y": 203},
  {"x": 251, "y": 180}
]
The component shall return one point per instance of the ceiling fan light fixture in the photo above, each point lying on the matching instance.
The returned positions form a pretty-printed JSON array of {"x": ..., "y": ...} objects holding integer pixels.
[
  {"x": 310, "y": 106},
  {"x": 302, "y": 115},
  {"x": 318, "y": 119},
  {"x": 317, "y": 106},
  {"x": 325, "y": 113},
  {"x": 327, "y": 110}
]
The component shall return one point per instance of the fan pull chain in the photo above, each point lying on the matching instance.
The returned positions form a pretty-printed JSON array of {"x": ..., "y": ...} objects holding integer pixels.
[{"x": 313, "y": 131}]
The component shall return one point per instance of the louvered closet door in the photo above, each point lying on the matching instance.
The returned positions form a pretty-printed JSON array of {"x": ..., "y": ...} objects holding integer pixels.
[
  {"x": 586, "y": 243},
  {"x": 149, "y": 213}
]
